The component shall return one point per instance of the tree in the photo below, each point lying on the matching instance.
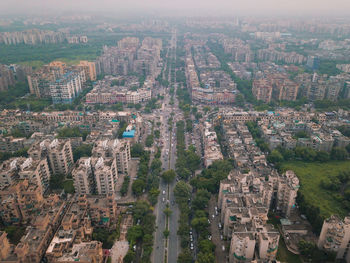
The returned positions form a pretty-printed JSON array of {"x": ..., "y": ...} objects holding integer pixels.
[
  {"x": 201, "y": 199},
  {"x": 200, "y": 224},
  {"x": 134, "y": 233},
  {"x": 322, "y": 156},
  {"x": 306, "y": 248},
  {"x": 206, "y": 246},
  {"x": 205, "y": 258},
  {"x": 338, "y": 153},
  {"x": 83, "y": 150},
  {"x": 185, "y": 256},
  {"x": 157, "y": 134},
  {"x": 129, "y": 257},
  {"x": 167, "y": 211},
  {"x": 275, "y": 157},
  {"x": 136, "y": 150},
  {"x": 138, "y": 187},
  {"x": 149, "y": 140},
  {"x": 138, "y": 106},
  {"x": 169, "y": 176},
  {"x": 156, "y": 164},
  {"x": 125, "y": 186},
  {"x": 182, "y": 192},
  {"x": 166, "y": 233}
]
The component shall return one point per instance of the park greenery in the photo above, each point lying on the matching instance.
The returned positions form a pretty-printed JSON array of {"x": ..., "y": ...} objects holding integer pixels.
[
  {"x": 83, "y": 150},
  {"x": 209, "y": 179},
  {"x": 60, "y": 182}
]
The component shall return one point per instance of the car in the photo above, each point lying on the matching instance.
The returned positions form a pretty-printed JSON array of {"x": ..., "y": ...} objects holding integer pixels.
[
  {"x": 216, "y": 213},
  {"x": 163, "y": 199},
  {"x": 208, "y": 221},
  {"x": 219, "y": 225},
  {"x": 223, "y": 248},
  {"x": 163, "y": 192},
  {"x": 216, "y": 208},
  {"x": 213, "y": 215},
  {"x": 209, "y": 237},
  {"x": 221, "y": 237}
]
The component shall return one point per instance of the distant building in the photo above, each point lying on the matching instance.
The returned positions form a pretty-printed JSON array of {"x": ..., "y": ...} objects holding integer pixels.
[
  {"x": 262, "y": 90},
  {"x": 313, "y": 62},
  {"x": 66, "y": 88}
]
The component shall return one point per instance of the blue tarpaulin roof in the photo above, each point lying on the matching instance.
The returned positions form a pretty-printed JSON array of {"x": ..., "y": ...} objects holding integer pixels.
[{"x": 129, "y": 134}]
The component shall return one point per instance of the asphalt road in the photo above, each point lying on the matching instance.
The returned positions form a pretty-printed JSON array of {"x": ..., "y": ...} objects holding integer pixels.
[{"x": 166, "y": 193}]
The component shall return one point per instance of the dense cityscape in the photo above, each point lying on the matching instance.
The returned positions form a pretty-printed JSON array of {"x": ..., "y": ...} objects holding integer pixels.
[{"x": 174, "y": 139}]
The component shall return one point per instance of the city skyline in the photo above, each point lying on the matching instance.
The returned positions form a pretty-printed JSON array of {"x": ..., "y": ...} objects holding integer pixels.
[{"x": 181, "y": 7}]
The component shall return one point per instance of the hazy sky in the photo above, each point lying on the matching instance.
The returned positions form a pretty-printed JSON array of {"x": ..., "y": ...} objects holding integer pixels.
[{"x": 291, "y": 7}]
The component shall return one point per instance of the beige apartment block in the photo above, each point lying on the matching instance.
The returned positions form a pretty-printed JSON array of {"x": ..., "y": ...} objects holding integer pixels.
[
  {"x": 106, "y": 175},
  {"x": 60, "y": 156},
  {"x": 335, "y": 236},
  {"x": 288, "y": 186},
  {"x": 118, "y": 148}
]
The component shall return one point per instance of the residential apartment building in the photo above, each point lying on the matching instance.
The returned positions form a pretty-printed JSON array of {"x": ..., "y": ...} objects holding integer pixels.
[
  {"x": 7, "y": 77},
  {"x": 262, "y": 90},
  {"x": 11, "y": 144},
  {"x": 288, "y": 186},
  {"x": 66, "y": 88},
  {"x": 60, "y": 156},
  {"x": 84, "y": 181},
  {"x": 335, "y": 237},
  {"x": 18, "y": 202},
  {"x": 89, "y": 69},
  {"x": 106, "y": 175},
  {"x": 118, "y": 149},
  {"x": 20, "y": 168}
]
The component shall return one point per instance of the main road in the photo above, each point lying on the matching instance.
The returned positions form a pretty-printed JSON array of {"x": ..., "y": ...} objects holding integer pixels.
[{"x": 166, "y": 192}]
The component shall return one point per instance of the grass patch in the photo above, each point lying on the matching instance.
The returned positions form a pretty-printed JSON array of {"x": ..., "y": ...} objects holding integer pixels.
[
  {"x": 68, "y": 186},
  {"x": 311, "y": 175}
]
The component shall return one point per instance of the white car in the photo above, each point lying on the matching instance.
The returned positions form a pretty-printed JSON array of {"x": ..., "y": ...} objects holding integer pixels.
[
  {"x": 163, "y": 192},
  {"x": 223, "y": 248}
]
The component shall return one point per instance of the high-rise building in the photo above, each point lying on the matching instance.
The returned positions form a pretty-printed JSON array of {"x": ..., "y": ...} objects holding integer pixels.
[
  {"x": 89, "y": 68},
  {"x": 262, "y": 90},
  {"x": 60, "y": 156},
  {"x": 6, "y": 77},
  {"x": 288, "y": 187},
  {"x": 20, "y": 168},
  {"x": 84, "y": 182},
  {"x": 313, "y": 62},
  {"x": 106, "y": 175},
  {"x": 66, "y": 88},
  {"x": 335, "y": 236},
  {"x": 119, "y": 149}
]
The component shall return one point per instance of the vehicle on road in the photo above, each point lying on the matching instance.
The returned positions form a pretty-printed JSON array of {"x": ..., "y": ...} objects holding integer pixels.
[
  {"x": 223, "y": 248},
  {"x": 163, "y": 192},
  {"x": 163, "y": 199}
]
